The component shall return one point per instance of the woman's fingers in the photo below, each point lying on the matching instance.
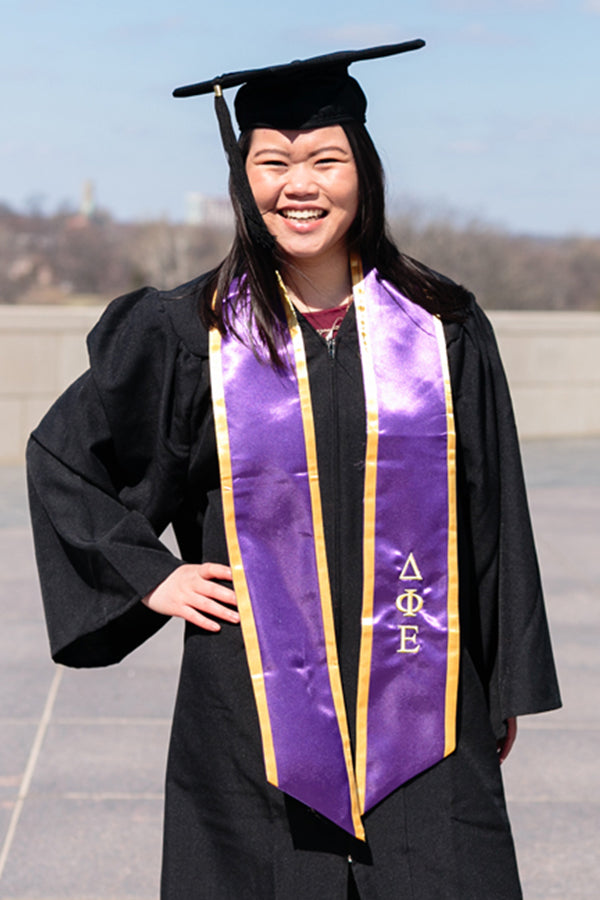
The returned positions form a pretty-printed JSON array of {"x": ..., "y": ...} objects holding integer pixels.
[
  {"x": 213, "y": 571},
  {"x": 210, "y": 607},
  {"x": 191, "y": 593},
  {"x": 206, "y": 587},
  {"x": 195, "y": 617},
  {"x": 505, "y": 745}
]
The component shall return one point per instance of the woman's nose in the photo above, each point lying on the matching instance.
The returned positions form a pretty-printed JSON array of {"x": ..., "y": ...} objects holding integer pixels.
[{"x": 301, "y": 181}]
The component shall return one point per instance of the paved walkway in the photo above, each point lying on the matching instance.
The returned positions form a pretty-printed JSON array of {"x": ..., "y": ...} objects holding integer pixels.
[{"x": 82, "y": 753}]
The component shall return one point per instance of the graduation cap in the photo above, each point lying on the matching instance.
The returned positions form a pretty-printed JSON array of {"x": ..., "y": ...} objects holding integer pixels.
[{"x": 303, "y": 94}]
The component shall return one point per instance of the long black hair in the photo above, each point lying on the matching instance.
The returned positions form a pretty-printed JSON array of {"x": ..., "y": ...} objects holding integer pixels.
[{"x": 368, "y": 235}]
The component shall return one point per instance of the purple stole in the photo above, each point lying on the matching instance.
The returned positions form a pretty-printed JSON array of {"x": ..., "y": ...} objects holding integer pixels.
[{"x": 408, "y": 667}]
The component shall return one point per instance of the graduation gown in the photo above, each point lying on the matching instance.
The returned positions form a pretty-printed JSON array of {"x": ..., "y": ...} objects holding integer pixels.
[{"x": 130, "y": 448}]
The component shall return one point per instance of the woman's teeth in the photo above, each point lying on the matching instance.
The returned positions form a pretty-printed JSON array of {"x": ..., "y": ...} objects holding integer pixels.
[{"x": 303, "y": 214}]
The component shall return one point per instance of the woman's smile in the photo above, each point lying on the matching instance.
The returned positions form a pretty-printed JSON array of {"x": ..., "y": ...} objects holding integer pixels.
[{"x": 302, "y": 216}]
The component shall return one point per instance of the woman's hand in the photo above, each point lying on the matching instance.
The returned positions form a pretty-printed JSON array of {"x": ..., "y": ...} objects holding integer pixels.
[
  {"x": 505, "y": 744},
  {"x": 191, "y": 592}
]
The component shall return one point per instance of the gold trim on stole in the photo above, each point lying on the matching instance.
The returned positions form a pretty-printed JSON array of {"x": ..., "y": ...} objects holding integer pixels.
[
  {"x": 453, "y": 650},
  {"x": 240, "y": 584},
  {"x": 369, "y": 511},
  {"x": 333, "y": 667}
]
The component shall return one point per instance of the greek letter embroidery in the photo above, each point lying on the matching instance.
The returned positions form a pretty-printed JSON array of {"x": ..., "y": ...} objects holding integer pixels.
[{"x": 409, "y": 603}]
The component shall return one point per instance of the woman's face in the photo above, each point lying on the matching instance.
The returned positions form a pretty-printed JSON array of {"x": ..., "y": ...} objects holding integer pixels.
[{"x": 305, "y": 185}]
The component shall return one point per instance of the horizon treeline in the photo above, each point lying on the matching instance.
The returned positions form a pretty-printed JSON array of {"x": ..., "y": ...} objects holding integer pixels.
[{"x": 70, "y": 258}]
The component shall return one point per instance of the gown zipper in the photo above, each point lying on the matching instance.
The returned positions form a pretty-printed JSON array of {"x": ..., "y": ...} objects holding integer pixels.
[{"x": 335, "y": 481}]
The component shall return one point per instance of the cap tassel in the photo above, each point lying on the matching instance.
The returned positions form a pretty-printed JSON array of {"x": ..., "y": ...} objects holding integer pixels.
[{"x": 256, "y": 227}]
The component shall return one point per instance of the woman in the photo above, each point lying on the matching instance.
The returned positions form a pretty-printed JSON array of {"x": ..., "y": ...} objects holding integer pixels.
[{"x": 325, "y": 422}]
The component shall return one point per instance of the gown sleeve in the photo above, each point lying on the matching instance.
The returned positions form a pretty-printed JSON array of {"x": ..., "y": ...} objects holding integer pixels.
[
  {"x": 503, "y": 614},
  {"x": 107, "y": 468}
]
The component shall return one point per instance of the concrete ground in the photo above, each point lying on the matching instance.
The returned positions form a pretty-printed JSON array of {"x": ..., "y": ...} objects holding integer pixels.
[{"x": 82, "y": 753}]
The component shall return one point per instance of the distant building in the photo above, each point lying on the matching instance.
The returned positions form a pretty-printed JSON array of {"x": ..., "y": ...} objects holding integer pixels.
[
  {"x": 203, "y": 210},
  {"x": 87, "y": 206}
]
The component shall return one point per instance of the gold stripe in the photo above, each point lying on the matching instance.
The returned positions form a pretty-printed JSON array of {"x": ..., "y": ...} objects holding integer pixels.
[
  {"x": 453, "y": 620},
  {"x": 366, "y": 641},
  {"x": 321, "y": 554},
  {"x": 235, "y": 557}
]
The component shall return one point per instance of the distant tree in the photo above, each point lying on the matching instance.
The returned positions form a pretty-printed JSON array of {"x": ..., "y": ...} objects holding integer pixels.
[{"x": 504, "y": 270}]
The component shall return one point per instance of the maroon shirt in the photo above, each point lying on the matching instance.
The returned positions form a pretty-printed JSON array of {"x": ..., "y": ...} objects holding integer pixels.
[{"x": 327, "y": 321}]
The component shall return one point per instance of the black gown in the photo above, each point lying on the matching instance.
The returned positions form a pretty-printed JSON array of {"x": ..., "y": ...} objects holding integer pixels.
[{"x": 130, "y": 448}]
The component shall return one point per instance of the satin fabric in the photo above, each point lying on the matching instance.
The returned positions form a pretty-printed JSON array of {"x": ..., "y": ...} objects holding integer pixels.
[
  {"x": 274, "y": 528},
  {"x": 409, "y": 723},
  {"x": 279, "y": 561}
]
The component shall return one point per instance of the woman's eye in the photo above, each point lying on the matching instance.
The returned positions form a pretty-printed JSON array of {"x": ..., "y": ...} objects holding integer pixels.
[{"x": 328, "y": 161}]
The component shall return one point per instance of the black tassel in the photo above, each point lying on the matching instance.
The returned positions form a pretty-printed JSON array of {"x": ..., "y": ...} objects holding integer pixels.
[{"x": 256, "y": 227}]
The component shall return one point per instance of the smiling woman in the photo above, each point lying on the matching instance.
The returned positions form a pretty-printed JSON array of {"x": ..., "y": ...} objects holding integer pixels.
[{"x": 326, "y": 424}]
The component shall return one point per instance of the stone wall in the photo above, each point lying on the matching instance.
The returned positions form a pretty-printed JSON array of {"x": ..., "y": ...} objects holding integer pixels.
[
  {"x": 42, "y": 350},
  {"x": 551, "y": 359}
]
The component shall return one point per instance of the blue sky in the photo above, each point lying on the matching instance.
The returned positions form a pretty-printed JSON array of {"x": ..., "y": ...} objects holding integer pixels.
[{"x": 496, "y": 119}]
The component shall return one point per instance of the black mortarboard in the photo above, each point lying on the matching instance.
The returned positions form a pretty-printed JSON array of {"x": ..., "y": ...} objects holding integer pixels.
[{"x": 309, "y": 93}]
